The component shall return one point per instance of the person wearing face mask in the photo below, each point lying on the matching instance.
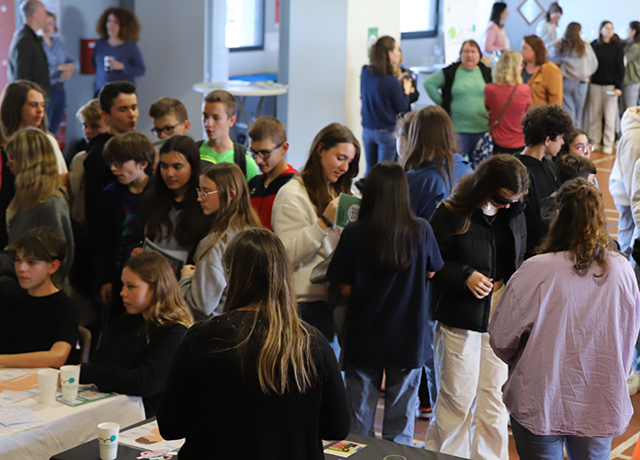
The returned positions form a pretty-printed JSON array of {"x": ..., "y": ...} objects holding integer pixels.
[
  {"x": 459, "y": 90},
  {"x": 304, "y": 216},
  {"x": 384, "y": 96},
  {"x": 481, "y": 233}
]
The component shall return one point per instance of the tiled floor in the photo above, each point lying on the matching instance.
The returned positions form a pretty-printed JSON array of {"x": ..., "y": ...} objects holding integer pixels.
[{"x": 622, "y": 446}]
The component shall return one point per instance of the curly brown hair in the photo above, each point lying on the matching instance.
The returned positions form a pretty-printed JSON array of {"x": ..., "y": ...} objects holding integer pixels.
[
  {"x": 129, "y": 24},
  {"x": 580, "y": 227}
]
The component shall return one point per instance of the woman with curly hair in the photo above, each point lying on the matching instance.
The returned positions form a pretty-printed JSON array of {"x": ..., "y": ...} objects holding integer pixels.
[
  {"x": 562, "y": 318},
  {"x": 116, "y": 55}
]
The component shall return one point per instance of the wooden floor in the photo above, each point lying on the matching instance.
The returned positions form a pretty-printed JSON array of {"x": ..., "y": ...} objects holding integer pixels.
[{"x": 622, "y": 446}]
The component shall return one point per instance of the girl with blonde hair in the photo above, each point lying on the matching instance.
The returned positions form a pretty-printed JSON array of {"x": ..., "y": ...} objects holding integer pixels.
[
  {"x": 223, "y": 194},
  {"x": 507, "y": 100},
  {"x": 137, "y": 349},
  {"x": 257, "y": 358},
  {"x": 40, "y": 197}
]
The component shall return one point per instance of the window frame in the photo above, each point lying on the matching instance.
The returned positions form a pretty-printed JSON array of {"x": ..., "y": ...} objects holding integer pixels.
[
  {"x": 240, "y": 49},
  {"x": 431, "y": 33}
]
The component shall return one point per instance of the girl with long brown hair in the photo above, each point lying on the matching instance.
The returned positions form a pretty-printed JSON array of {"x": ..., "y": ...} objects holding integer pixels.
[
  {"x": 136, "y": 351},
  {"x": 577, "y": 62},
  {"x": 304, "y": 215},
  {"x": 40, "y": 197},
  {"x": 223, "y": 194},
  {"x": 481, "y": 233},
  {"x": 563, "y": 316},
  {"x": 257, "y": 358}
]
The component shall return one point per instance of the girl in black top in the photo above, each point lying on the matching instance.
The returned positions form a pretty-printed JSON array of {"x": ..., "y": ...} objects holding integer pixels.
[
  {"x": 255, "y": 369},
  {"x": 136, "y": 352},
  {"x": 481, "y": 234}
]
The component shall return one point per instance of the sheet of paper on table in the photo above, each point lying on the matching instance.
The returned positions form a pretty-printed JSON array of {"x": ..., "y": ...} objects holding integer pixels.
[
  {"x": 147, "y": 437},
  {"x": 17, "y": 414},
  {"x": 16, "y": 385}
]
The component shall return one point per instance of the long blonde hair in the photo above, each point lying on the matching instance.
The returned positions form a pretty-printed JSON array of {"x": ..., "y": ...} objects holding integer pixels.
[
  {"x": 261, "y": 278},
  {"x": 235, "y": 211},
  {"x": 507, "y": 71},
  {"x": 167, "y": 306},
  {"x": 36, "y": 170}
]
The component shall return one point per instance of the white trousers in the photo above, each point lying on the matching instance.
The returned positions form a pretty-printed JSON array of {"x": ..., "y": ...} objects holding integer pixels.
[
  {"x": 469, "y": 419},
  {"x": 602, "y": 105}
]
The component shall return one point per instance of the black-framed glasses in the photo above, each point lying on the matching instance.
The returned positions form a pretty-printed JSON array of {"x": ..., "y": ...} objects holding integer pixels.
[
  {"x": 263, "y": 154},
  {"x": 202, "y": 194},
  {"x": 499, "y": 199},
  {"x": 168, "y": 130}
]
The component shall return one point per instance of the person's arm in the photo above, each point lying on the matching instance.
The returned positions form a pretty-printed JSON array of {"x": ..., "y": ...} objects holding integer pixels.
[
  {"x": 619, "y": 68},
  {"x": 134, "y": 64},
  {"x": 335, "y": 419},
  {"x": 592, "y": 59},
  {"x": 553, "y": 83},
  {"x": 22, "y": 58},
  {"x": 433, "y": 85},
  {"x": 203, "y": 289},
  {"x": 509, "y": 327},
  {"x": 635, "y": 190},
  {"x": 492, "y": 39},
  {"x": 397, "y": 96},
  {"x": 54, "y": 357},
  {"x": 105, "y": 247},
  {"x": 146, "y": 379},
  {"x": 55, "y": 214},
  {"x": 453, "y": 275}
]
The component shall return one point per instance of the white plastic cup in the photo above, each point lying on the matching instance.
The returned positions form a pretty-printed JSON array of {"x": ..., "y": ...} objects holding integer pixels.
[
  {"x": 69, "y": 380},
  {"x": 47, "y": 385},
  {"x": 107, "y": 64},
  {"x": 108, "y": 440}
]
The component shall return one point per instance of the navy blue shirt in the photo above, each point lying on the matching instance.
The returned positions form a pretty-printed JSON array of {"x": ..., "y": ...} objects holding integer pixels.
[
  {"x": 427, "y": 188},
  {"x": 382, "y": 100},
  {"x": 387, "y": 319}
]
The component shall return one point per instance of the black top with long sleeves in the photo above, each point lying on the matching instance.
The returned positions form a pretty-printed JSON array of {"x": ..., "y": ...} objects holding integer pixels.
[{"x": 27, "y": 60}]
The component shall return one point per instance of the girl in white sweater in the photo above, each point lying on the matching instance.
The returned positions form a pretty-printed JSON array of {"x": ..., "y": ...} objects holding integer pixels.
[{"x": 304, "y": 214}]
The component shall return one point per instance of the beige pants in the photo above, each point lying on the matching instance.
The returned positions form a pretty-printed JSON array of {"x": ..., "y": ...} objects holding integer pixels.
[
  {"x": 602, "y": 105},
  {"x": 469, "y": 419}
]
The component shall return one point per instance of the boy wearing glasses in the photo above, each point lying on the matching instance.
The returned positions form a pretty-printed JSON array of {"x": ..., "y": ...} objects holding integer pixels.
[
  {"x": 544, "y": 129},
  {"x": 169, "y": 118},
  {"x": 218, "y": 116},
  {"x": 39, "y": 323},
  {"x": 268, "y": 147}
]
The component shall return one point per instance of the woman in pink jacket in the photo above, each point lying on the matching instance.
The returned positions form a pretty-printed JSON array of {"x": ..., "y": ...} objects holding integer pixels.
[{"x": 495, "y": 37}]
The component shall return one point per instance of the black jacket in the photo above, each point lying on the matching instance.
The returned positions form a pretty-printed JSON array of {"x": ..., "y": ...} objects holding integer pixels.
[
  {"x": 450, "y": 74},
  {"x": 475, "y": 250},
  {"x": 27, "y": 60}
]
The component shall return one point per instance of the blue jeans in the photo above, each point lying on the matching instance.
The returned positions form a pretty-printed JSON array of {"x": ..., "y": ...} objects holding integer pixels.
[
  {"x": 400, "y": 395},
  {"x": 55, "y": 108},
  {"x": 320, "y": 315},
  {"x": 430, "y": 371},
  {"x": 467, "y": 142},
  {"x": 379, "y": 145},
  {"x": 574, "y": 94},
  {"x": 534, "y": 447}
]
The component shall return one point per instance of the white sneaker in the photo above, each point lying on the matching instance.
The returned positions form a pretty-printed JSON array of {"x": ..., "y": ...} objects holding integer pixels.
[
  {"x": 607, "y": 150},
  {"x": 633, "y": 383}
]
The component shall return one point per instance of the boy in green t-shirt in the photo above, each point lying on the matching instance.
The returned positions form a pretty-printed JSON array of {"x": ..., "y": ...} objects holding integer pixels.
[{"x": 218, "y": 116}]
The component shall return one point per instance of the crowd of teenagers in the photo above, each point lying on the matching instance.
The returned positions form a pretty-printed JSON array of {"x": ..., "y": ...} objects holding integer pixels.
[{"x": 484, "y": 287}]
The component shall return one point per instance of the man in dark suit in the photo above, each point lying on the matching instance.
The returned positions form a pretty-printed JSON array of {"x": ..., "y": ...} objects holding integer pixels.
[{"x": 27, "y": 59}]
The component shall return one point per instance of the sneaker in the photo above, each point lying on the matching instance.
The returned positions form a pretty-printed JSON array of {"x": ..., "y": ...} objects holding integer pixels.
[
  {"x": 607, "y": 150},
  {"x": 597, "y": 148},
  {"x": 633, "y": 383},
  {"x": 424, "y": 413}
]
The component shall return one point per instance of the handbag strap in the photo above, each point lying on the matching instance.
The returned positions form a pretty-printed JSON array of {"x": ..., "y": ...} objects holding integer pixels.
[{"x": 495, "y": 123}]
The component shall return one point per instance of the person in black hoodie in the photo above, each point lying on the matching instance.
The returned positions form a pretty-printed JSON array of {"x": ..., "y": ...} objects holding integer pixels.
[
  {"x": 481, "y": 234},
  {"x": 136, "y": 352}
]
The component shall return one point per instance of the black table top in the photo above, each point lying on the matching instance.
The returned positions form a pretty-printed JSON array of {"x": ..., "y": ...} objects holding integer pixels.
[{"x": 376, "y": 449}]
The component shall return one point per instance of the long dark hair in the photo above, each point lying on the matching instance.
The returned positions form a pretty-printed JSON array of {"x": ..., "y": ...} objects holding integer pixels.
[
  {"x": 431, "y": 139},
  {"x": 379, "y": 62},
  {"x": 261, "y": 277},
  {"x": 496, "y": 12},
  {"x": 635, "y": 25},
  {"x": 312, "y": 174},
  {"x": 572, "y": 41},
  {"x": 385, "y": 208},
  {"x": 580, "y": 227},
  {"x": 499, "y": 173},
  {"x": 614, "y": 39},
  {"x": 188, "y": 230},
  {"x": 553, "y": 8},
  {"x": 14, "y": 97}
]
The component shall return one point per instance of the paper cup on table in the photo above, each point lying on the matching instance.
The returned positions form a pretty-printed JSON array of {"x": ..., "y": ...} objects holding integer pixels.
[
  {"x": 69, "y": 379},
  {"x": 108, "y": 440},
  {"x": 47, "y": 384}
]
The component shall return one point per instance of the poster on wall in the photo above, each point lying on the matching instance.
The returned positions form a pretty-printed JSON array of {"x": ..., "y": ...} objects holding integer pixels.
[{"x": 463, "y": 20}]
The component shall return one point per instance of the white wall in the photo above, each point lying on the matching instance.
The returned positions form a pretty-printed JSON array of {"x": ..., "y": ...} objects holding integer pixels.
[
  {"x": 173, "y": 48},
  {"x": 313, "y": 63},
  {"x": 361, "y": 15}
]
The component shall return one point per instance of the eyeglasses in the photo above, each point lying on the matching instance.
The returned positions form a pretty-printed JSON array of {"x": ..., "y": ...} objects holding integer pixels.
[
  {"x": 263, "y": 154},
  {"x": 202, "y": 194},
  {"x": 499, "y": 199},
  {"x": 168, "y": 130},
  {"x": 585, "y": 148}
]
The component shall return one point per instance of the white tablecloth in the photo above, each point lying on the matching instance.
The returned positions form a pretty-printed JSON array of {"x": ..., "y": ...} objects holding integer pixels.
[{"x": 65, "y": 427}]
